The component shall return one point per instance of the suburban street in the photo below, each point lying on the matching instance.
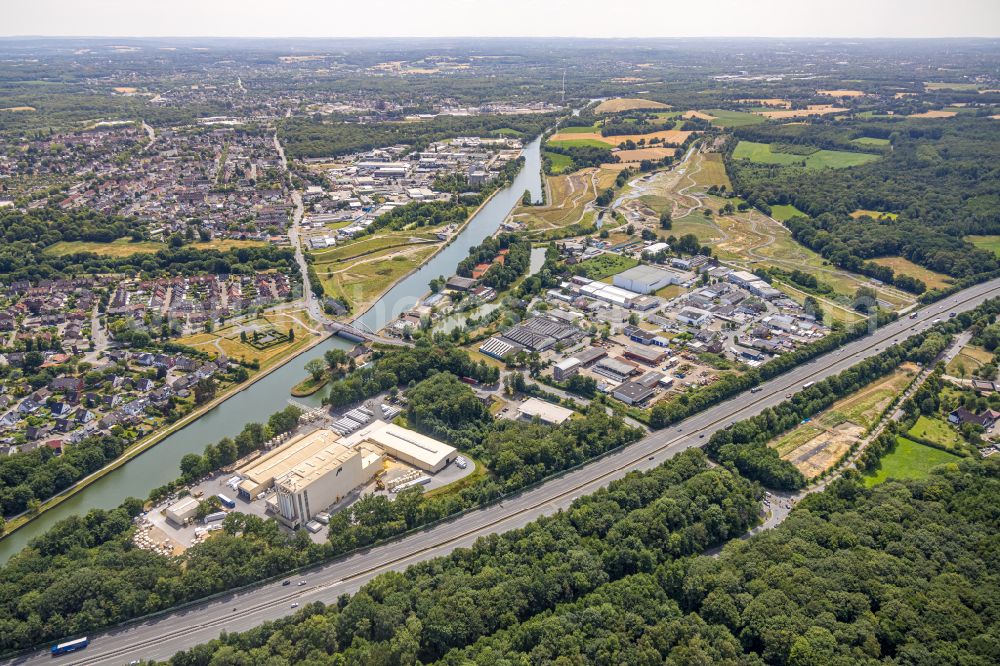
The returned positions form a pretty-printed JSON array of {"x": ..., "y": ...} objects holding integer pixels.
[
  {"x": 163, "y": 636},
  {"x": 313, "y": 305}
]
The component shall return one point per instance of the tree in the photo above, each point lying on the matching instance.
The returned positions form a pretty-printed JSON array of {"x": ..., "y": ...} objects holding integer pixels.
[
  {"x": 204, "y": 390},
  {"x": 316, "y": 368}
]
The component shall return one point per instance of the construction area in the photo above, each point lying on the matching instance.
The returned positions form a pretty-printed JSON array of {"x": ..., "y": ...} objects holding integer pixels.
[{"x": 819, "y": 443}]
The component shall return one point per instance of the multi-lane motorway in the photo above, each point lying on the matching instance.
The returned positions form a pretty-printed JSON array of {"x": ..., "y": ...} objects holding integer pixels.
[{"x": 161, "y": 637}]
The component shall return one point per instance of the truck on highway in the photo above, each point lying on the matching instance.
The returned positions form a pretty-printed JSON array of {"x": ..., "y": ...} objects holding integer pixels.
[
  {"x": 226, "y": 502},
  {"x": 808, "y": 384},
  {"x": 70, "y": 646}
]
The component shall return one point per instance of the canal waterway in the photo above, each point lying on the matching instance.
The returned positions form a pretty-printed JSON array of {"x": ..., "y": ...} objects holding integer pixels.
[{"x": 160, "y": 463}]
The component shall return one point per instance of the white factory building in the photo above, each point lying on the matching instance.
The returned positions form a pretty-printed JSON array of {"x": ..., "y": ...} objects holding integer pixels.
[
  {"x": 312, "y": 472},
  {"x": 645, "y": 279},
  {"x": 407, "y": 446},
  {"x": 323, "y": 480}
]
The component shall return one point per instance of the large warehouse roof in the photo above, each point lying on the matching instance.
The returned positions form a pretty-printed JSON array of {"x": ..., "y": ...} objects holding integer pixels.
[
  {"x": 316, "y": 466},
  {"x": 287, "y": 456},
  {"x": 408, "y": 445}
]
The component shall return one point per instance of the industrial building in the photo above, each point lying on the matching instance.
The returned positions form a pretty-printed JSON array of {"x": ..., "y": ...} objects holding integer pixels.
[
  {"x": 323, "y": 479},
  {"x": 544, "y": 411},
  {"x": 499, "y": 348},
  {"x": 406, "y": 446},
  {"x": 633, "y": 393},
  {"x": 647, "y": 355},
  {"x": 259, "y": 474},
  {"x": 182, "y": 510},
  {"x": 615, "y": 369},
  {"x": 646, "y": 279},
  {"x": 566, "y": 368}
]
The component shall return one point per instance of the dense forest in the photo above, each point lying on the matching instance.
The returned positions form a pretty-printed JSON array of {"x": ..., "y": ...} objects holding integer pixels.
[
  {"x": 311, "y": 137},
  {"x": 636, "y": 525},
  {"x": 902, "y": 573},
  {"x": 938, "y": 182}
]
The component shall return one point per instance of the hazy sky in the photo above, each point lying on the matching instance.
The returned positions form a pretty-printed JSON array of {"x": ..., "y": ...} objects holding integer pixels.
[{"x": 566, "y": 18}]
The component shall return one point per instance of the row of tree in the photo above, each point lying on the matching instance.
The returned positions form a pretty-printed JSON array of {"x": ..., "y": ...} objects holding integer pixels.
[{"x": 424, "y": 613}]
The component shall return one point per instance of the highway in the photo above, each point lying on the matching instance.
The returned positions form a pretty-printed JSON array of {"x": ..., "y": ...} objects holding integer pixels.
[{"x": 163, "y": 636}]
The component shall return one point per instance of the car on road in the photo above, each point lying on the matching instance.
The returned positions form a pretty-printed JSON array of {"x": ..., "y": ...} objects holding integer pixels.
[
  {"x": 913, "y": 315},
  {"x": 755, "y": 389},
  {"x": 287, "y": 582},
  {"x": 788, "y": 395},
  {"x": 295, "y": 605},
  {"x": 302, "y": 582},
  {"x": 701, "y": 436}
]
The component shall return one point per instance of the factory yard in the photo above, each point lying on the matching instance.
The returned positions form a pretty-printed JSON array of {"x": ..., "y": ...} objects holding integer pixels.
[{"x": 303, "y": 477}]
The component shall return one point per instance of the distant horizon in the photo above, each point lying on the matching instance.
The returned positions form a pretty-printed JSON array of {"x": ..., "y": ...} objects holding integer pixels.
[
  {"x": 402, "y": 19},
  {"x": 501, "y": 37}
]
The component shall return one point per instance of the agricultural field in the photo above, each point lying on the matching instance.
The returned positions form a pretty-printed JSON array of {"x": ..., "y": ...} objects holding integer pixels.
[
  {"x": 124, "y": 247},
  {"x": 587, "y": 129},
  {"x": 991, "y": 243},
  {"x": 606, "y": 265},
  {"x": 569, "y": 139},
  {"x": 783, "y": 212},
  {"x": 640, "y": 154},
  {"x": 628, "y": 104},
  {"x": 902, "y": 266},
  {"x": 764, "y": 153},
  {"x": 935, "y": 114},
  {"x": 937, "y": 431},
  {"x": 585, "y": 141},
  {"x": 874, "y": 214},
  {"x": 560, "y": 163},
  {"x": 811, "y": 110},
  {"x": 870, "y": 141},
  {"x": 711, "y": 170},
  {"x": 939, "y": 85},
  {"x": 816, "y": 445},
  {"x": 773, "y": 102},
  {"x": 272, "y": 344},
  {"x": 969, "y": 359},
  {"x": 725, "y": 118},
  {"x": 840, "y": 93},
  {"x": 909, "y": 460}
]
